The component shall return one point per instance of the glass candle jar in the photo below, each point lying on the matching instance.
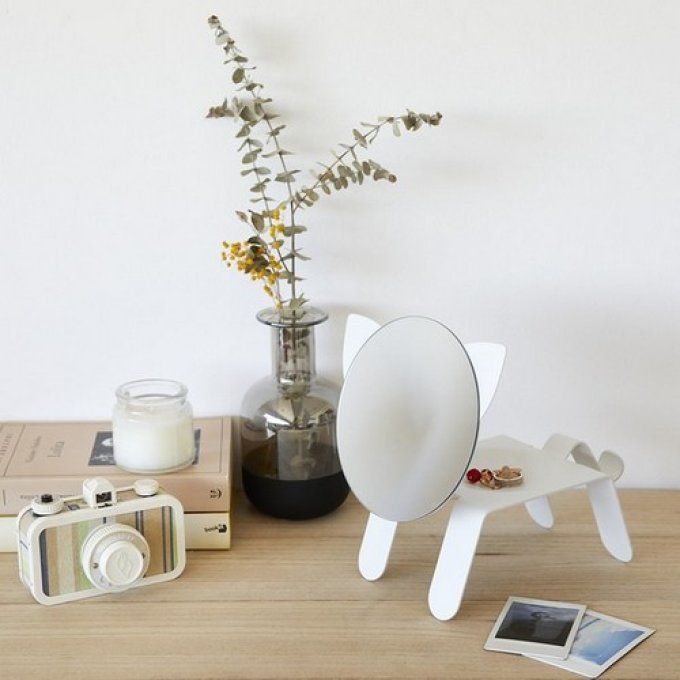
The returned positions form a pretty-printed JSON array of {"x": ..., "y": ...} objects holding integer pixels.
[{"x": 153, "y": 428}]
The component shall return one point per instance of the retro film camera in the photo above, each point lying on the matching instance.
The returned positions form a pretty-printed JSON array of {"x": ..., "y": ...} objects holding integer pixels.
[{"x": 105, "y": 541}]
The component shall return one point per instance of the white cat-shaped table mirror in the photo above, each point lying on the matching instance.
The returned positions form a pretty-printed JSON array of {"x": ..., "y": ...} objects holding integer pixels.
[{"x": 407, "y": 430}]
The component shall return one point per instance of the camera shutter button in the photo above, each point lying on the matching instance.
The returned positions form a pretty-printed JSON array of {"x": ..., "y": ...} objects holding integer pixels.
[
  {"x": 146, "y": 487},
  {"x": 46, "y": 504}
]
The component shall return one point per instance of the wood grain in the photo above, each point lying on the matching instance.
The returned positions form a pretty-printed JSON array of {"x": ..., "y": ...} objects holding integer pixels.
[{"x": 288, "y": 602}]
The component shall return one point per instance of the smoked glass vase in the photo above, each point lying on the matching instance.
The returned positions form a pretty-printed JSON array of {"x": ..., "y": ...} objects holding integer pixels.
[{"x": 289, "y": 453}]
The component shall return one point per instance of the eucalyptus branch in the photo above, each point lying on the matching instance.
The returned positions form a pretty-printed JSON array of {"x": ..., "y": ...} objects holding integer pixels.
[
  {"x": 265, "y": 200},
  {"x": 262, "y": 259},
  {"x": 287, "y": 175},
  {"x": 251, "y": 117},
  {"x": 339, "y": 160},
  {"x": 288, "y": 180},
  {"x": 360, "y": 169}
]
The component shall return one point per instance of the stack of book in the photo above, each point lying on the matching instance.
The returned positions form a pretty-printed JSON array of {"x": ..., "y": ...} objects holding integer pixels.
[{"x": 37, "y": 458}]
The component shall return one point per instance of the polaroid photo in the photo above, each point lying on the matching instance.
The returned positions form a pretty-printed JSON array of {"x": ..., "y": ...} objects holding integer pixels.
[
  {"x": 600, "y": 642},
  {"x": 537, "y": 627}
]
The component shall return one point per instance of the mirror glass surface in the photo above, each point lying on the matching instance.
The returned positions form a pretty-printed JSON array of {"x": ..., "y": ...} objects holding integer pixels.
[{"x": 408, "y": 418}]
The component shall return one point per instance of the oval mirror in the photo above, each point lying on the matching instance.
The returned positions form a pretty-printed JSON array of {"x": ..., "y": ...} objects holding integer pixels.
[{"x": 408, "y": 418}]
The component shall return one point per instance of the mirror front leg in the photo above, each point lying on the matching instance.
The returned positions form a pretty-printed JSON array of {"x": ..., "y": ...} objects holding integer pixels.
[
  {"x": 376, "y": 547},
  {"x": 455, "y": 560}
]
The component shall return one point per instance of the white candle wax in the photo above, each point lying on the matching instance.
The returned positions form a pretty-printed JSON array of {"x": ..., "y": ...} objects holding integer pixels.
[{"x": 153, "y": 434}]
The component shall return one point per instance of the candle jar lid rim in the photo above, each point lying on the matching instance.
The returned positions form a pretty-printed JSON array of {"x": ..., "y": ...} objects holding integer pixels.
[{"x": 146, "y": 392}]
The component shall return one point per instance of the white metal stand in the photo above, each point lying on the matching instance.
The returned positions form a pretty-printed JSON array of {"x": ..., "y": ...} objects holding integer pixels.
[{"x": 545, "y": 472}]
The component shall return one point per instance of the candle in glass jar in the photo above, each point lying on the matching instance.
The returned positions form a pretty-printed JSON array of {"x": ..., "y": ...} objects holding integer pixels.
[{"x": 153, "y": 427}]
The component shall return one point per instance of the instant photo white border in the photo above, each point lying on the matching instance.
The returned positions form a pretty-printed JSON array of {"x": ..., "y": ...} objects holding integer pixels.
[
  {"x": 526, "y": 647},
  {"x": 588, "y": 668}
]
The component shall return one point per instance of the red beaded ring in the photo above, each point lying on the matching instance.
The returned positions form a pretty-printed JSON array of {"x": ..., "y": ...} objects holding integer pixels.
[{"x": 473, "y": 475}]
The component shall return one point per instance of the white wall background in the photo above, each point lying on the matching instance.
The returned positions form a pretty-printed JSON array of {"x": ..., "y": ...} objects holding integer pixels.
[{"x": 544, "y": 213}]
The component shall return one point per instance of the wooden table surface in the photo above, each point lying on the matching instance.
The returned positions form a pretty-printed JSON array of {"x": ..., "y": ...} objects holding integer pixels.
[{"x": 288, "y": 602}]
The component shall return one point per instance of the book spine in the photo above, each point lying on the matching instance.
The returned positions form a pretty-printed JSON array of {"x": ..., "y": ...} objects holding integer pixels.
[
  {"x": 204, "y": 531},
  {"x": 197, "y": 493}
]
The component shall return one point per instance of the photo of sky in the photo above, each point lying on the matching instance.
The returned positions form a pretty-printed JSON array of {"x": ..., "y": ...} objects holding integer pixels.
[{"x": 598, "y": 640}]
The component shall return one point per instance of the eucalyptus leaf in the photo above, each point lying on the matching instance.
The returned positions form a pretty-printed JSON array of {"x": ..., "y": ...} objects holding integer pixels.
[
  {"x": 288, "y": 277},
  {"x": 248, "y": 114},
  {"x": 277, "y": 152},
  {"x": 295, "y": 254},
  {"x": 288, "y": 176},
  {"x": 260, "y": 186},
  {"x": 297, "y": 229},
  {"x": 275, "y": 131},
  {"x": 238, "y": 75},
  {"x": 257, "y": 221},
  {"x": 360, "y": 138},
  {"x": 297, "y": 302}
]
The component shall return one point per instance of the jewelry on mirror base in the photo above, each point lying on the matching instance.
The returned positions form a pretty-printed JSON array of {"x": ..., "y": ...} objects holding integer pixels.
[{"x": 496, "y": 479}]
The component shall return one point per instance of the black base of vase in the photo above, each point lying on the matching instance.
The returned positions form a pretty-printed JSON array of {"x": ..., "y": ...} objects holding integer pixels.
[{"x": 291, "y": 499}]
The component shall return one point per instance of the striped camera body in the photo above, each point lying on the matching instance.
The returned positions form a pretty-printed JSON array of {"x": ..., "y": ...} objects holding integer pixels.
[{"x": 105, "y": 541}]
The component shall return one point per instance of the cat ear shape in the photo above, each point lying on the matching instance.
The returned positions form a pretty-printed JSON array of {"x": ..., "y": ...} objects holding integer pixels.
[
  {"x": 358, "y": 329},
  {"x": 487, "y": 359}
]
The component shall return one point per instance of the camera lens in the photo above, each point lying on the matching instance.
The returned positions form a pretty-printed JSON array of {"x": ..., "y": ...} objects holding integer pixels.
[{"x": 114, "y": 557}]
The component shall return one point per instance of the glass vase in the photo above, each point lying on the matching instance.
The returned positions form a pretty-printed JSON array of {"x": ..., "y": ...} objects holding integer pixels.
[{"x": 289, "y": 453}]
